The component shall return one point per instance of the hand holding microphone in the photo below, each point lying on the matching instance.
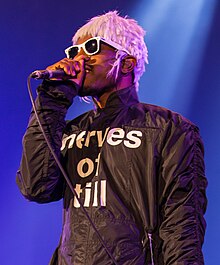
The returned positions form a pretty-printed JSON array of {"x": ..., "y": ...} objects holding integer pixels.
[{"x": 65, "y": 69}]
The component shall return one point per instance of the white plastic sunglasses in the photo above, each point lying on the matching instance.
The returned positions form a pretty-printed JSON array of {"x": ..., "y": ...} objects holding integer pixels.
[{"x": 91, "y": 47}]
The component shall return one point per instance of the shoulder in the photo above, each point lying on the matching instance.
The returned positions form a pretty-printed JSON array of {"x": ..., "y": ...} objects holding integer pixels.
[{"x": 160, "y": 117}]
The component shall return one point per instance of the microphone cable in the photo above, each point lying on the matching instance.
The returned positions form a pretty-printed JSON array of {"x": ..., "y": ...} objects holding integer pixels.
[{"x": 64, "y": 173}]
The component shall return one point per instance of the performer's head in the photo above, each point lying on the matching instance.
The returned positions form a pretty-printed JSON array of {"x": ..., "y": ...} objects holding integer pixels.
[{"x": 121, "y": 39}]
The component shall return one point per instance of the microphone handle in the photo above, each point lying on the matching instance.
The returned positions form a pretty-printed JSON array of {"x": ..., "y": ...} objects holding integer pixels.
[{"x": 48, "y": 74}]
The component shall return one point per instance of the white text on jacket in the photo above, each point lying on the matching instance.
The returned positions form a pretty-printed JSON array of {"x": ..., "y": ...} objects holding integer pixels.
[{"x": 113, "y": 137}]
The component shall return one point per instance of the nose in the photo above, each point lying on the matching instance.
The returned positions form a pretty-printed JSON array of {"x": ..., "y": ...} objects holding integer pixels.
[
  {"x": 81, "y": 52},
  {"x": 81, "y": 55}
]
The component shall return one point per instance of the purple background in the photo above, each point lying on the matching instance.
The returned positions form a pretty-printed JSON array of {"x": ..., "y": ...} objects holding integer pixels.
[{"x": 183, "y": 38}]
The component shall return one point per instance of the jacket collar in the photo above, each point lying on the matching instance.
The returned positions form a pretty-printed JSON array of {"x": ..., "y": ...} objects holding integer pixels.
[{"x": 121, "y": 98}]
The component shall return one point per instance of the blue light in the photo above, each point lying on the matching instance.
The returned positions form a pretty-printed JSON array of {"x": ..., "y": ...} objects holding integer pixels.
[{"x": 177, "y": 32}]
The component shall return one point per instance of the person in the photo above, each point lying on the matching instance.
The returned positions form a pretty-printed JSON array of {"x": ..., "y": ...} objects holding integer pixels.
[{"x": 137, "y": 169}]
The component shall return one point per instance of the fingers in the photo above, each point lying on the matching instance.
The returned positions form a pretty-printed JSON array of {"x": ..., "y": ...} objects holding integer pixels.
[
  {"x": 70, "y": 67},
  {"x": 74, "y": 69},
  {"x": 81, "y": 70}
]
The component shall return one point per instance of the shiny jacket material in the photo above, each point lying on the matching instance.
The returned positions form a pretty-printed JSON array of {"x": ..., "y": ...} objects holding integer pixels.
[{"x": 138, "y": 170}]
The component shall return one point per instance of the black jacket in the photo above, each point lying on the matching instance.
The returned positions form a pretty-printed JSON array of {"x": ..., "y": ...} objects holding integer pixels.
[{"x": 138, "y": 170}]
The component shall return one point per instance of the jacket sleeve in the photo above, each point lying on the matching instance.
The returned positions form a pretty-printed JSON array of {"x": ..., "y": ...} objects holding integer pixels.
[
  {"x": 184, "y": 200},
  {"x": 38, "y": 177}
]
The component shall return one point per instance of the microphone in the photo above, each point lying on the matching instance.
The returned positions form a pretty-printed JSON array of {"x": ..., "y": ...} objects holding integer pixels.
[{"x": 48, "y": 74}]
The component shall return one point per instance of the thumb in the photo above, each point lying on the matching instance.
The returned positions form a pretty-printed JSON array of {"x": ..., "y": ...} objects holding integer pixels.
[{"x": 81, "y": 73}]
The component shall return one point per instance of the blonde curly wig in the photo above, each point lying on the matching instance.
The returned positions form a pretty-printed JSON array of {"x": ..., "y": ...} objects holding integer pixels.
[{"x": 123, "y": 31}]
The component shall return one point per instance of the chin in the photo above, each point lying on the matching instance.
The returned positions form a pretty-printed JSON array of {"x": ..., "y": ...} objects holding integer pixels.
[{"x": 87, "y": 91}]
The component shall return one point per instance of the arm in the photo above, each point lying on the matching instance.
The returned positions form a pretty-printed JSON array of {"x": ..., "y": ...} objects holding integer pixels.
[
  {"x": 184, "y": 200},
  {"x": 38, "y": 177}
]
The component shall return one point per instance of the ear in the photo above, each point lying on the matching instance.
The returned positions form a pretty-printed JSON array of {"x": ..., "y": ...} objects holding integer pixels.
[{"x": 128, "y": 64}]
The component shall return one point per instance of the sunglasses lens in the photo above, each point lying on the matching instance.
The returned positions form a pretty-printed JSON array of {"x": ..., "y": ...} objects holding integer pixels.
[
  {"x": 72, "y": 52},
  {"x": 92, "y": 46}
]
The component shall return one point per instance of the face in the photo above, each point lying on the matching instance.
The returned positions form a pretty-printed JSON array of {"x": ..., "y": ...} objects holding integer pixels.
[{"x": 97, "y": 67}]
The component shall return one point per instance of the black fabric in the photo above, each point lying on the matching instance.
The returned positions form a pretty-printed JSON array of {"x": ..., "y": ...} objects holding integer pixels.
[{"x": 137, "y": 168}]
